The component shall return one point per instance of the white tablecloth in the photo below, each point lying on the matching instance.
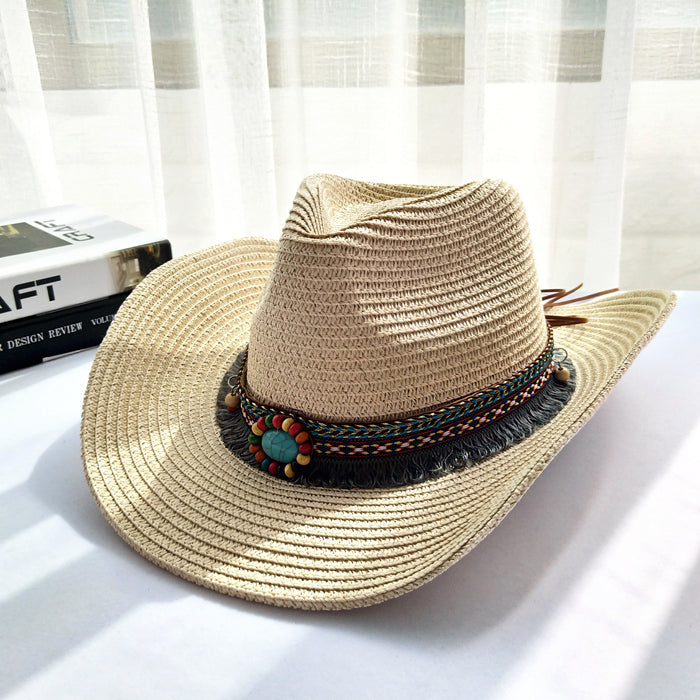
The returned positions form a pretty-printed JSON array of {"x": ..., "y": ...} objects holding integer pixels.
[{"x": 589, "y": 589}]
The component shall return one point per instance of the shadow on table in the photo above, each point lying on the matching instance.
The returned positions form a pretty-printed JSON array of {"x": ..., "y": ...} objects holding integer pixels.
[{"x": 677, "y": 647}]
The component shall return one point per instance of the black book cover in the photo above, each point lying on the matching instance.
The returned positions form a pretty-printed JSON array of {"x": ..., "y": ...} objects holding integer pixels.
[{"x": 28, "y": 341}]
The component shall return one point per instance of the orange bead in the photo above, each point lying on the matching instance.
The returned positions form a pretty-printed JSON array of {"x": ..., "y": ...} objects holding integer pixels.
[
  {"x": 259, "y": 456},
  {"x": 302, "y": 437},
  {"x": 254, "y": 448}
]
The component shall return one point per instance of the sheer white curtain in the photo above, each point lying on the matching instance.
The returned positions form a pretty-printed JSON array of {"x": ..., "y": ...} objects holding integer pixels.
[{"x": 199, "y": 118}]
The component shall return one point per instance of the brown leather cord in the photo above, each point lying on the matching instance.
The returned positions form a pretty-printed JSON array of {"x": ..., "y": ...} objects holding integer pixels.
[{"x": 554, "y": 297}]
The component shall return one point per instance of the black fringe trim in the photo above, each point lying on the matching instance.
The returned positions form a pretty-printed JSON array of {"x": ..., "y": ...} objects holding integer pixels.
[{"x": 413, "y": 467}]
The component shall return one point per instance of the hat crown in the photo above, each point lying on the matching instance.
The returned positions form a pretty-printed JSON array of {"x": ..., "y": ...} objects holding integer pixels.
[{"x": 386, "y": 300}]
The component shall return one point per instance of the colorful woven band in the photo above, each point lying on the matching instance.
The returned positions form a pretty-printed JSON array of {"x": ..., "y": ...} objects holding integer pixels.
[{"x": 410, "y": 433}]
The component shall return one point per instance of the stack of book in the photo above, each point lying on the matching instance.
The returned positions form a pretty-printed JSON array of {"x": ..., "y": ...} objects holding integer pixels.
[{"x": 63, "y": 274}]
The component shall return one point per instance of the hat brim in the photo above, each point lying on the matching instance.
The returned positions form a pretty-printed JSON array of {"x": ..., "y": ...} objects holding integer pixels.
[{"x": 164, "y": 480}]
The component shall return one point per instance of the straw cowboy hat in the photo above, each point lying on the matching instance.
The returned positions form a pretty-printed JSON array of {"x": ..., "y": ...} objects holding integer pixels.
[{"x": 331, "y": 420}]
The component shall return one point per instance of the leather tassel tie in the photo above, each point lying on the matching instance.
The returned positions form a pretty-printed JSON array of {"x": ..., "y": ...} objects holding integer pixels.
[{"x": 556, "y": 297}]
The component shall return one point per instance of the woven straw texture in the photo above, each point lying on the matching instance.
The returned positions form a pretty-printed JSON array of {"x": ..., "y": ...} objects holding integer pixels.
[
  {"x": 386, "y": 300},
  {"x": 169, "y": 487}
]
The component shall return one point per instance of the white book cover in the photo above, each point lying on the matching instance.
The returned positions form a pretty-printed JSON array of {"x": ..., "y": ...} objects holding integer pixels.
[{"x": 67, "y": 255}]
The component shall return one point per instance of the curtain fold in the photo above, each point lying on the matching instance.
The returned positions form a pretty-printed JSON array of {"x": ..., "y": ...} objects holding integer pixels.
[
  {"x": 29, "y": 174},
  {"x": 143, "y": 65},
  {"x": 605, "y": 208},
  {"x": 199, "y": 119},
  {"x": 232, "y": 67}
]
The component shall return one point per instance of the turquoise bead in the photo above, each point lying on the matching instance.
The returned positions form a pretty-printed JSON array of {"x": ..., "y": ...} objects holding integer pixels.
[{"x": 279, "y": 445}]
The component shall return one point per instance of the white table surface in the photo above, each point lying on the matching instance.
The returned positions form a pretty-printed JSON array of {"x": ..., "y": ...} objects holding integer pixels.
[{"x": 589, "y": 589}]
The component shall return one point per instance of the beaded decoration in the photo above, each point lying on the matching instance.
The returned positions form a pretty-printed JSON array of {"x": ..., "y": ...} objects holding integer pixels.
[
  {"x": 411, "y": 433},
  {"x": 280, "y": 444}
]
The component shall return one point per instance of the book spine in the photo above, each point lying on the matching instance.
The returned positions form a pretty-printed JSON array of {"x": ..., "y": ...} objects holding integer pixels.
[
  {"x": 51, "y": 287},
  {"x": 31, "y": 340}
]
